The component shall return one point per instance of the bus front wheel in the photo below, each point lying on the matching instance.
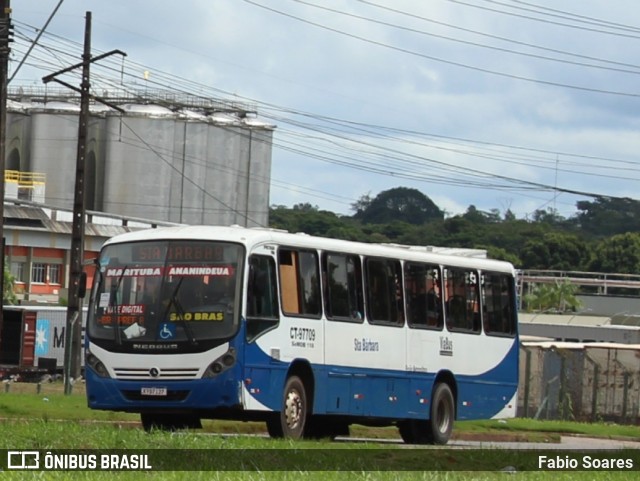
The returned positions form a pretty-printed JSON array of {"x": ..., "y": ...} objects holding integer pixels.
[{"x": 294, "y": 412}]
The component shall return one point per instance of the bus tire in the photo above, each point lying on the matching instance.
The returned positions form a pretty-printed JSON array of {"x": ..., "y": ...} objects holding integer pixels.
[
  {"x": 274, "y": 426},
  {"x": 295, "y": 409},
  {"x": 415, "y": 431},
  {"x": 150, "y": 421},
  {"x": 443, "y": 414},
  {"x": 325, "y": 427}
]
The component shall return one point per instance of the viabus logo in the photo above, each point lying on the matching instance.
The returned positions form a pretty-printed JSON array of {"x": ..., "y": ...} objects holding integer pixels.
[{"x": 23, "y": 460}]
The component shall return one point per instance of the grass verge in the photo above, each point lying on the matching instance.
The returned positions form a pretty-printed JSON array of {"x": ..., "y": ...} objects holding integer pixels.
[{"x": 48, "y": 402}]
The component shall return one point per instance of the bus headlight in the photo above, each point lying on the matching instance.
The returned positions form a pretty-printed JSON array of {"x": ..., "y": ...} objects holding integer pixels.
[
  {"x": 96, "y": 364},
  {"x": 223, "y": 363}
]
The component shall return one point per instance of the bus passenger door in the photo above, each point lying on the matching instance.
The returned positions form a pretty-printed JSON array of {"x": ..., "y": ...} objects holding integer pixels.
[
  {"x": 422, "y": 357},
  {"x": 262, "y": 320}
]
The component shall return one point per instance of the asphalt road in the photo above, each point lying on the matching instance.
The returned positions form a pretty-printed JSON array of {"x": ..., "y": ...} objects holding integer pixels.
[{"x": 577, "y": 443}]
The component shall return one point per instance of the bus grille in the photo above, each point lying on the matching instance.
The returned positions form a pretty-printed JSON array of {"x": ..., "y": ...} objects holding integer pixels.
[{"x": 133, "y": 374}]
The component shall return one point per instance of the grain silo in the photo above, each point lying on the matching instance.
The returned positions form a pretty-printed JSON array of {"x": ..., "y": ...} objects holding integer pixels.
[
  {"x": 187, "y": 167},
  {"x": 189, "y": 160},
  {"x": 188, "y": 194},
  {"x": 259, "y": 174},
  {"x": 17, "y": 145},
  {"x": 238, "y": 171},
  {"x": 53, "y": 145},
  {"x": 228, "y": 150},
  {"x": 139, "y": 149}
]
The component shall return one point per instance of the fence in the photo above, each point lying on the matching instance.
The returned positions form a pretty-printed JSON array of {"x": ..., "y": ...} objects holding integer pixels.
[{"x": 581, "y": 382}]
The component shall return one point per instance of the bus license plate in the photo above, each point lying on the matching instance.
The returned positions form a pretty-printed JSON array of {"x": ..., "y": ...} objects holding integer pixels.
[{"x": 153, "y": 391}]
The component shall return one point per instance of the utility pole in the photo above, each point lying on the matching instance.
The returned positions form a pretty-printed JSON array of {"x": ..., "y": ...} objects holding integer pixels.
[
  {"x": 74, "y": 328},
  {"x": 77, "y": 280},
  {"x": 5, "y": 39}
]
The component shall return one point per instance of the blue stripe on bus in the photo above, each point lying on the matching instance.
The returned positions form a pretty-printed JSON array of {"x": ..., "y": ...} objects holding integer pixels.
[
  {"x": 338, "y": 389},
  {"x": 384, "y": 393}
]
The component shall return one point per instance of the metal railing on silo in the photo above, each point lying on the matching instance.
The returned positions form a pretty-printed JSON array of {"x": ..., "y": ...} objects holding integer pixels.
[{"x": 28, "y": 186}]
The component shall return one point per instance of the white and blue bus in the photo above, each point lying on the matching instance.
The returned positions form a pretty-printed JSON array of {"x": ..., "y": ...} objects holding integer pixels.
[{"x": 306, "y": 333}]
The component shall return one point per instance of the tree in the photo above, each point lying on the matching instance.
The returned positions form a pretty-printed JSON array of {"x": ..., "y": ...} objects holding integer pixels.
[
  {"x": 399, "y": 204},
  {"x": 620, "y": 253},
  {"x": 549, "y": 216},
  {"x": 607, "y": 216},
  {"x": 509, "y": 216},
  {"x": 362, "y": 203},
  {"x": 480, "y": 217},
  {"x": 306, "y": 207},
  {"x": 555, "y": 250},
  {"x": 308, "y": 219},
  {"x": 8, "y": 296},
  {"x": 501, "y": 254},
  {"x": 544, "y": 241}
]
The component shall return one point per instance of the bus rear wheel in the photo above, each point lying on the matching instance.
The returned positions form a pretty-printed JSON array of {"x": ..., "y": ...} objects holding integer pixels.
[
  {"x": 443, "y": 413},
  {"x": 436, "y": 430},
  {"x": 414, "y": 431},
  {"x": 294, "y": 412}
]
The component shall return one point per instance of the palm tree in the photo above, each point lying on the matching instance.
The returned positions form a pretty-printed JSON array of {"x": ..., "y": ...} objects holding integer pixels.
[{"x": 558, "y": 297}]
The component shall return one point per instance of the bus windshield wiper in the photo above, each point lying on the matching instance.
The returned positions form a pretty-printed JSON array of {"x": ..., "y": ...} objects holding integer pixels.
[
  {"x": 180, "y": 311},
  {"x": 113, "y": 301}
]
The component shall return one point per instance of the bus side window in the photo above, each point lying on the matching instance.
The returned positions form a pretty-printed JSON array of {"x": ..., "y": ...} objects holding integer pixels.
[
  {"x": 384, "y": 291},
  {"x": 423, "y": 296},
  {"x": 342, "y": 281},
  {"x": 498, "y": 310},
  {"x": 462, "y": 300},
  {"x": 300, "y": 282},
  {"x": 262, "y": 296}
]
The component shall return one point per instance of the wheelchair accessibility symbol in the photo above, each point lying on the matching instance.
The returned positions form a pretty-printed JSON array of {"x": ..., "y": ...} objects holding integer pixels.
[{"x": 167, "y": 331}]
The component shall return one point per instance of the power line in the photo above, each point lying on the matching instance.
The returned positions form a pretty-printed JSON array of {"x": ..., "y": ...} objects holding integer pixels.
[
  {"x": 466, "y": 42},
  {"x": 550, "y": 22},
  {"x": 555, "y": 13},
  {"x": 379, "y": 161},
  {"x": 498, "y": 37},
  {"x": 445, "y": 61}
]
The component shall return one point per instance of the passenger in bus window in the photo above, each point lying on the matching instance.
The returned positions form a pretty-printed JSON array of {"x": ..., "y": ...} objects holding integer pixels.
[
  {"x": 193, "y": 294},
  {"x": 456, "y": 300},
  {"x": 434, "y": 311},
  {"x": 434, "y": 301},
  {"x": 151, "y": 298},
  {"x": 223, "y": 293},
  {"x": 506, "y": 326},
  {"x": 418, "y": 303},
  {"x": 399, "y": 300},
  {"x": 151, "y": 291},
  {"x": 456, "y": 311},
  {"x": 256, "y": 302}
]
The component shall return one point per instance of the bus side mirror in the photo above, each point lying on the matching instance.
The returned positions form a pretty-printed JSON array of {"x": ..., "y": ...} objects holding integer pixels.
[{"x": 82, "y": 285}]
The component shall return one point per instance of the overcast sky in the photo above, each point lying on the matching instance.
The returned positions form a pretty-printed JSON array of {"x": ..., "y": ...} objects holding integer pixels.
[{"x": 494, "y": 103}]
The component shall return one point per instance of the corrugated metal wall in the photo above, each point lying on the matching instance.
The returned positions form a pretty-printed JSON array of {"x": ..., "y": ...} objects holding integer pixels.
[{"x": 582, "y": 382}]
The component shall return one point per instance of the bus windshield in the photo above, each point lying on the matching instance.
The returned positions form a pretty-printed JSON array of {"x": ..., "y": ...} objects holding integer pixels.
[{"x": 147, "y": 294}]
